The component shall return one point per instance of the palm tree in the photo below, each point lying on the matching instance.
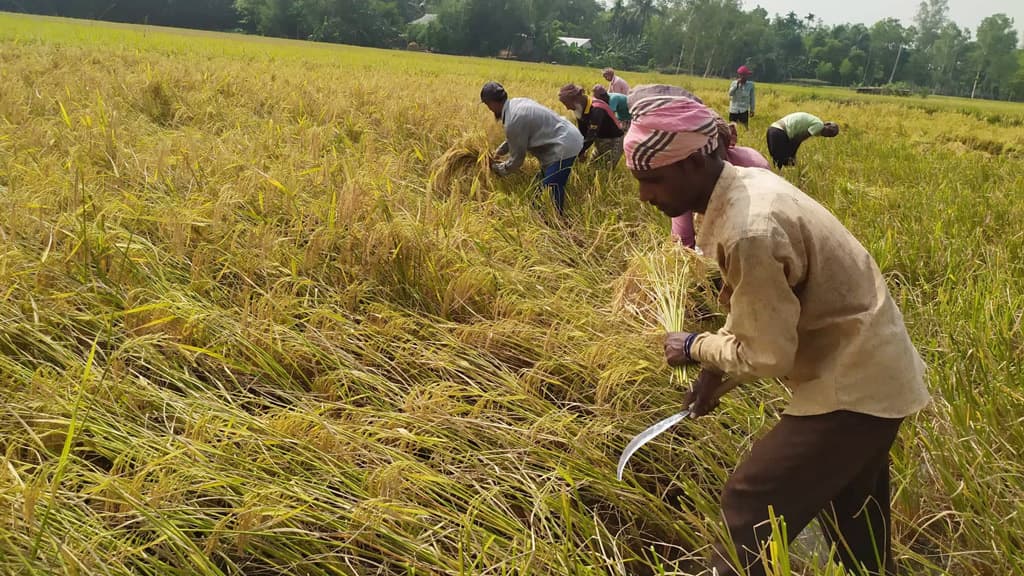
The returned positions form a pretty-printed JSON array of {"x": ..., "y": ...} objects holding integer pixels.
[{"x": 640, "y": 12}]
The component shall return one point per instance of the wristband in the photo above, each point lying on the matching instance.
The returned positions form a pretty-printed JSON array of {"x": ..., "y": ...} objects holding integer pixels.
[{"x": 688, "y": 345}]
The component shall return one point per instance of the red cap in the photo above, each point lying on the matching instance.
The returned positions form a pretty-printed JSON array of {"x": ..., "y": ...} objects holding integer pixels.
[{"x": 744, "y": 71}]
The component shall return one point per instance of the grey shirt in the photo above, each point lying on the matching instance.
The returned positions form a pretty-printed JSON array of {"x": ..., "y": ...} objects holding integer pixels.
[{"x": 531, "y": 127}]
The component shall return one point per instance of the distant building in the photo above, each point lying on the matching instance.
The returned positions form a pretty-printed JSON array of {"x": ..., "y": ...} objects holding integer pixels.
[
  {"x": 424, "y": 20},
  {"x": 581, "y": 43}
]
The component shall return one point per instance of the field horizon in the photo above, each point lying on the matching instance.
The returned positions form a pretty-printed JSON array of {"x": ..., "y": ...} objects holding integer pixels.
[{"x": 253, "y": 322}]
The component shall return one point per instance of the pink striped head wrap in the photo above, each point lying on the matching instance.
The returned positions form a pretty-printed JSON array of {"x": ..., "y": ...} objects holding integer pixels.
[{"x": 667, "y": 129}]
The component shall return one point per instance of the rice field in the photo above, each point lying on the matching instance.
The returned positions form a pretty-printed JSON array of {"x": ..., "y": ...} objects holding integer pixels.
[{"x": 265, "y": 311}]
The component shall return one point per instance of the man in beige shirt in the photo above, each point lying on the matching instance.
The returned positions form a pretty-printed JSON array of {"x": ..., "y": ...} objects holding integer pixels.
[{"x": 807, "y": 304}]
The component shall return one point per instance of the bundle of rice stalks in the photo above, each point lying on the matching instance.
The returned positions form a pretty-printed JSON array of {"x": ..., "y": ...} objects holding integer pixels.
[
  {"x": 467, "y": 162},
  {"x": 668, "y": 289}
]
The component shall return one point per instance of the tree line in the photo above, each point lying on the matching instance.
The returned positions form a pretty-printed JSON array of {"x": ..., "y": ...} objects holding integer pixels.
[{"x": 700, "y": 37}]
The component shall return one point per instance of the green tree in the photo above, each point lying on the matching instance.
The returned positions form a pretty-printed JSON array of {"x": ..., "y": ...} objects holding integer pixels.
[
  {"x": 849, "y": 73},
  {"x": 931, "y": 18},
  {"x": 950, "y": 54},
  {"x": 482, "y": 27},
  {"x": 888, "y": 40},
  {"x": 1016, "y": 87},
  {"x": 790, "y": 48},
  {"x": 202, "y": 14},
  {"x": 826, "y": 71},
  {"x": 996, "y": 56},
  {"x": 549, "y": 19}
]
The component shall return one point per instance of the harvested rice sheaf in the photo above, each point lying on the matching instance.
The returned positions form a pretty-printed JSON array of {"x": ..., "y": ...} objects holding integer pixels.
[
  {"x": 467, "y": 162},
  {"x": 669, "y": 289}
]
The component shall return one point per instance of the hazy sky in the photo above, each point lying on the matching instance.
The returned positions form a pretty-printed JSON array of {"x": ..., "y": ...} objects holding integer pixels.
[{"x": 964, "y": 12}]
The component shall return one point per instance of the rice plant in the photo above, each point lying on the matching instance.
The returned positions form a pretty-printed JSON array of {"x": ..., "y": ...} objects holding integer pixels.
[{"x": 259, "y": 316}]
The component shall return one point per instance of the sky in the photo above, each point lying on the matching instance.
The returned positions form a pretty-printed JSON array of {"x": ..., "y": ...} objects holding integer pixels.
[{"x": 967, "y": 13}]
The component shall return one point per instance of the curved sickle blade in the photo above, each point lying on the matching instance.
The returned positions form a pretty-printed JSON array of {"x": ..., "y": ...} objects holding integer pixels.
[{"x": 645, "y": 437}]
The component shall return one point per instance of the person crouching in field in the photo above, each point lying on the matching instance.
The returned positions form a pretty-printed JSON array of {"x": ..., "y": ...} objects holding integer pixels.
[
  {"x": 596, "y": 122},
  {"x": 806, "y": 303},
  {"x": 787, "y": 134},
  {"x": 619, "y": 103},
  {"x": 531, "y": 127}
]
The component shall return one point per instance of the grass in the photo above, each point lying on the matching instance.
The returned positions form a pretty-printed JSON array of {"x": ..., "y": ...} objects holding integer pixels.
[{"x": 244, "y": 330}]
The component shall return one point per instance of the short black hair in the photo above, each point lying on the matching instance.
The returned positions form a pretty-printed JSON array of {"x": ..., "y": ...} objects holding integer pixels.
[{"x": 493, "y": 92}]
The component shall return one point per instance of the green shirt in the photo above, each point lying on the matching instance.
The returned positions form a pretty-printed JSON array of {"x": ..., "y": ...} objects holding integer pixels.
[
  {"x": 799, "y": 123},
  {"x": 618, "y": 103}
]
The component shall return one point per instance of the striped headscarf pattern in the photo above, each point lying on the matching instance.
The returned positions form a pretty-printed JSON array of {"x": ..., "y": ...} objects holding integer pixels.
[{"x": 667, "y": 129}]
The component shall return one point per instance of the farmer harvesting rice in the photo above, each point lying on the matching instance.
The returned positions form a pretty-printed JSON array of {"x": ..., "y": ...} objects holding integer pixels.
[
  {"x": 741, "y": 97},
  {"x": 787, "y": 134},
  {"x": 807, "y": 304},
  {"x": 596, "y": 122},
  {"x": 616, "y": 85},
  {"x": 619, "y": 103},
  {"x": 531, "y": 127}
]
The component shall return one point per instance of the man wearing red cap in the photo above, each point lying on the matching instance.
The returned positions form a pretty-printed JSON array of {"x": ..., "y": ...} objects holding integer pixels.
[{"x": 741, "y": 97}]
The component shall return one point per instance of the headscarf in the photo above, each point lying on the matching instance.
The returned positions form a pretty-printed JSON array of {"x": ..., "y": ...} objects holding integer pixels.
[
  {"x": 647, "y": 90},
  {"x": 599, "y": 91},
  {"x": 667, "y": 129},
  {"x": 569, "y": 92},
  {"x": 723, "y": 129}
]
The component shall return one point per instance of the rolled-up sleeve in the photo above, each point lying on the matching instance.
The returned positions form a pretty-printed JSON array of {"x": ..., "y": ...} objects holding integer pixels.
[{"x": 759, "y": 339}]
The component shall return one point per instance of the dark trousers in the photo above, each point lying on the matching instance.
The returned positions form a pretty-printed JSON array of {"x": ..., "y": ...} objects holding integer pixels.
[
  {"x": 782, "y": 149},
  {"x": 741, "y": 117},
  {"x": 833, "y": 467},
  {"x": 555, "y": 176}
]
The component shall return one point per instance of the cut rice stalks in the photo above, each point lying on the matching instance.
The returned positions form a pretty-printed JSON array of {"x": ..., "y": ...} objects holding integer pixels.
[
  {"x": 467, "y": 162},
  {"x": 667, "y": 289}
]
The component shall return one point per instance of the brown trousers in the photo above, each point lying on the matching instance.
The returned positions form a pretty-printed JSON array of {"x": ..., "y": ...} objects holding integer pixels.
[{"x": 832, "y": 466}]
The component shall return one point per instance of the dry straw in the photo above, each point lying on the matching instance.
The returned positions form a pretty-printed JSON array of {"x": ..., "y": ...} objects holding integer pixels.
[
  {"x": 467, "y": 162},
  {"x": 308, "y": 361}
]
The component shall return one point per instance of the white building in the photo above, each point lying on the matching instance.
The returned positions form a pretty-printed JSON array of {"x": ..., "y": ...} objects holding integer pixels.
[{"x": 582, "y": 43}]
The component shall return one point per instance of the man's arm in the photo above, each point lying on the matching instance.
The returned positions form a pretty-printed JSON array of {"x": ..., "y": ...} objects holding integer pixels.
[
  {"x": 799, "y": 138},
  {"x": 813, "y": 130},
  {"x": 732, "y": 87},
  {"x": 759, "y": 339},
  {"x": 503, "y": 149},
  {"x": 752, "y": 100},
  {"x": 516, "y": 140},
  {"x": 589, "y": 131}
]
